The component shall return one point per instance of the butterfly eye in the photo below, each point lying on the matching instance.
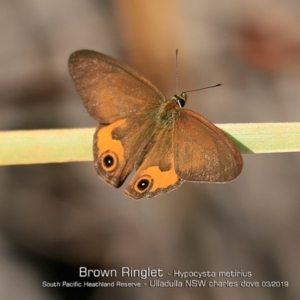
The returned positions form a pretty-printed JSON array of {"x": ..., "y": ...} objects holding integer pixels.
[
  {"x": 180, "y": 99},
  {"x": 143, "y": 184},
  {"x": 109, "y": 161}
]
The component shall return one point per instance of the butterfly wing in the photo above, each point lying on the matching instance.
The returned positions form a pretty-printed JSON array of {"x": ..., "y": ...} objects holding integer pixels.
[
  {"x": 109, "y": 89},
  {"x": 119, "y": 146},
  {"x": 156, "y": 174},
  {"x": 202, "y": 151},
  {"x": 124, "y": 103}
]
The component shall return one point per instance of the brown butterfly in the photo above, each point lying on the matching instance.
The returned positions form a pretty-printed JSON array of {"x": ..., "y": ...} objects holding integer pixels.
[{"x": 140, "y": 129}]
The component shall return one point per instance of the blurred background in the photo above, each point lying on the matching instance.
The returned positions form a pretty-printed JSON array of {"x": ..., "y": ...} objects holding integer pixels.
[{"x": 57, "y": 217}]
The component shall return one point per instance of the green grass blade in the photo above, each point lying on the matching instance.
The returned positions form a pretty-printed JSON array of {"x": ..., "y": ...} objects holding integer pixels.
[
  {"x": 46, "y": 146},
  {"x": 69, "y": 145},
  {"x": 264, "y": 137}
]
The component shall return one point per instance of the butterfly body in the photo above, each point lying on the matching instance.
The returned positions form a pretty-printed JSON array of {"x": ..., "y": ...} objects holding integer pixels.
[{"x": 140, "y": 129}]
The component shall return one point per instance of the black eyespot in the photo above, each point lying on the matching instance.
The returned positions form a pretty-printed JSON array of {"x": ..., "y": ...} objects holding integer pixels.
[
  {"x": 143, "y": 184},
  {"x": 108, "y": 161}
]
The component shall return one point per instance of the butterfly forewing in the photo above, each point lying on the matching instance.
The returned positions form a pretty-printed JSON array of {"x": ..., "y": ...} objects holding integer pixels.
[
  {"x": 109, "y": 89},
  {"x": 202, "y": 151}
]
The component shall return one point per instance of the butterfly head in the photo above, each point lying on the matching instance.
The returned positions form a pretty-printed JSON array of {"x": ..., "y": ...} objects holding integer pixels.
[{"x": 180, "y": 99}]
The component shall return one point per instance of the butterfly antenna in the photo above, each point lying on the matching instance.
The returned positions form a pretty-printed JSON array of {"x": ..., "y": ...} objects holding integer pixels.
[
  {"x": 176, "y": 70},
  {"x": 207, "y": 87}
]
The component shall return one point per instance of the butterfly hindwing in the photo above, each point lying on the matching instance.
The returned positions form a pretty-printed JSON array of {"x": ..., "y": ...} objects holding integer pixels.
[
  {"x": 118, "y": 147},
  {"x": 156, "y": 174}
]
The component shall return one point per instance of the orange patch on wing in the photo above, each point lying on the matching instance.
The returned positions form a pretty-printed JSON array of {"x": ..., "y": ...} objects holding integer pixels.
[
  {"x": 161, "y": 179},
  {"x": 105, "y": 142}
]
